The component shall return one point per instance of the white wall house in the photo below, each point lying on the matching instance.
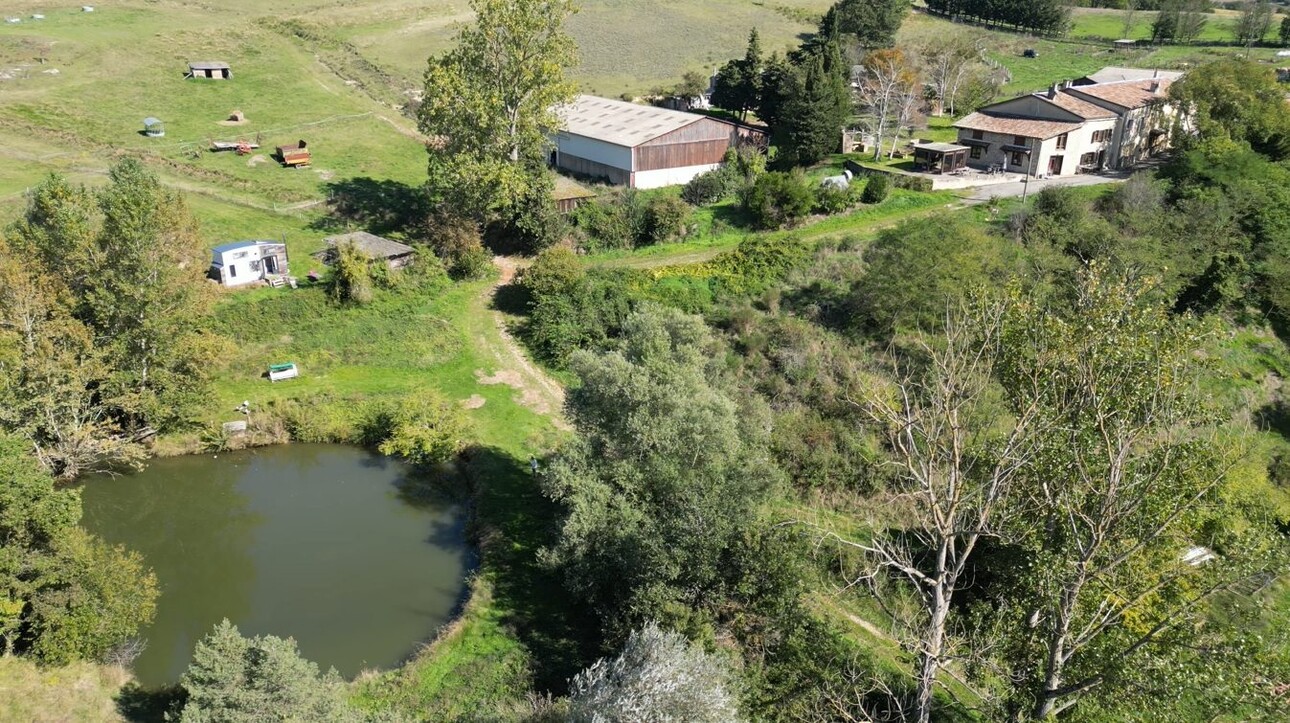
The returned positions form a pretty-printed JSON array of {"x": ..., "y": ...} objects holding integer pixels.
[
  {"x": 1073, "y": 128},
  {"x": 640, "y": 146},
  {"x": 245, "y": 262}
]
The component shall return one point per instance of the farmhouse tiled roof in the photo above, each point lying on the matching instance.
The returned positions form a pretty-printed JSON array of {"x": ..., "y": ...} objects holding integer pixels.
[
  {"x": 1128, "y": 94},
  {"x": 1081, "y": 108},
  {"x": 1009, "y": 125}
]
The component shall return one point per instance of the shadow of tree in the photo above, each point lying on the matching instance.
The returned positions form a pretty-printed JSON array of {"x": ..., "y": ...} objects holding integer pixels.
[
  {"x": 379, "y": 206},
  {"x": 141, "y": 705},
  {"x": 513, "y": 522}
]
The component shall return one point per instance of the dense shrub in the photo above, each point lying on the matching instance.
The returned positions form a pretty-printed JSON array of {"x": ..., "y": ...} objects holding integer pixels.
[
  {"x": 710, "y": 187},
  {"x": 831, "y": 200},
  {"x": 778, "y": 199},
  {"x": 911, "y": 183},
  {"x": 876, "y": 188},
  {"x": 666, "y": 218},
  {"x": 424, "y": 428},
  {"x": 659, "y": 676},
  {"x": 458, "y": 242},
  {"x": 918, "y": 267},
  {"x": 351, "y": 276}
]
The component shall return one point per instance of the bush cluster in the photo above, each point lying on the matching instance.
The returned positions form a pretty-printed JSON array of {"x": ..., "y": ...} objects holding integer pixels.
[{"x": 630, "y": 219}]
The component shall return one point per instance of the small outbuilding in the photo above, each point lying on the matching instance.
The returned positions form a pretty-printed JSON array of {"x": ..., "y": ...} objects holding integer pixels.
[
  {"x": 153, "y": 127},
  {"x": 940, "y": 157},
  {"x": 568, "y": 194},
  {"x": 245, "y": 262},
  {"x": 377, "y": 248},
  {"x": 210, "y": 69},
  {"x": 295, "y": 155}
]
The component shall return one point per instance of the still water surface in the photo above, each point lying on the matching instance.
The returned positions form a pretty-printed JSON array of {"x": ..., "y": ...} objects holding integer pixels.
[{"x": 311, "y": 541}]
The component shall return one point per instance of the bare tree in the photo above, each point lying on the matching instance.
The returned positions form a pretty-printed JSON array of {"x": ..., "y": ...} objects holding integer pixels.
[
  {"x": 949, "y": 64},
  {"x": 886, "y": 79},
  {"x": 956, "y": 455},
  {"x": 1130, "y": 17}
]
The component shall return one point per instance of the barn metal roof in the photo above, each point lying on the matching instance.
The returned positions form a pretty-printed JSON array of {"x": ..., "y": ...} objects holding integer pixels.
[{"x": 619, "y": 122}]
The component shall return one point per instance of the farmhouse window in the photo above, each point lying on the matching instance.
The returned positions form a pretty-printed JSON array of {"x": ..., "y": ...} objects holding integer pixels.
[
  {"x": 1061, "y": 142},
  {"x": 1018, "y": 159},
  {"x": 1087, "y": 159},
  {"x": 1018, "y": 140},
  {"x": 978, "y": 135},
  {"x": 976, "y": 152}
]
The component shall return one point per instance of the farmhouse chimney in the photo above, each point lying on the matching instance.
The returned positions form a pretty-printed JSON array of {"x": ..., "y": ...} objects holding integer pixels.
[{"x": 1052, "y": 92}]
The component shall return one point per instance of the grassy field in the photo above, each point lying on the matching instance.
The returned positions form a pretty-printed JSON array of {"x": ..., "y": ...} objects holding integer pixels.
[
  {"x": 1108, "y": 24},
  {"x": 1059, "y": 60}
]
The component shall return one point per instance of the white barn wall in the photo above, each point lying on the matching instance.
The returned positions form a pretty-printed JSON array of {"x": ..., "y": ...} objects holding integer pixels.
[
  {"x": 595, "y": 150},
  {"x": 670, "y": 176}
]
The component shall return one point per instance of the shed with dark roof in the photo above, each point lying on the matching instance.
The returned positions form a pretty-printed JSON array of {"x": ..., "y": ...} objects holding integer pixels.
[
  {"x": 211, "y": 69},
  {"x": 378, "y": 248}
]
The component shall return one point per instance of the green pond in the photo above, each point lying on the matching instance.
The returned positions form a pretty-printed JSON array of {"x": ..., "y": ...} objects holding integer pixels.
[{"x": 318, "y": 542}]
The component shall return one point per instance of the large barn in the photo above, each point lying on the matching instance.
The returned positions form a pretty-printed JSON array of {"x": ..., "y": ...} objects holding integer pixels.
[{"x": 641, "y": 146}]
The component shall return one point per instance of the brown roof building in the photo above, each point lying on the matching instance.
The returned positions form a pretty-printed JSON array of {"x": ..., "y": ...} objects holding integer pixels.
[{"x": 1072, "y": 128}]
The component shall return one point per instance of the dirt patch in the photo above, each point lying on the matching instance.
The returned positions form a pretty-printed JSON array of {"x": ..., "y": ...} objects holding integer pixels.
[
  {"x": 473, "y": 402},
  {"x": 256, "y": 160},
  {"x": 233, "y": 122},
  {"x": 325, "y": 174}
]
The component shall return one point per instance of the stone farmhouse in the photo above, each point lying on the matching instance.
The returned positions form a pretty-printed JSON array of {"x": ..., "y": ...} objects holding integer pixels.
[{"x": 1112, "y": 119}]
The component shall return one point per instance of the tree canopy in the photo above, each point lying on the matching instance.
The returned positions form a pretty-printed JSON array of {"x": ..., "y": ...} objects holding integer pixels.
[{"x": 489, "y": 104}]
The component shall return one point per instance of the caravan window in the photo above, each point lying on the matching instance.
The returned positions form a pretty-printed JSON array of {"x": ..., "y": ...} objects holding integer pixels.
[{"x": 232, "y": 271}]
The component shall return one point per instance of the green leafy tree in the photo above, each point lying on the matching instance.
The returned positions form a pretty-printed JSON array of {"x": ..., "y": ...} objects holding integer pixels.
[
  {"x": 234, "y": 679},
  {"x": 1179, "y": 21},
  {"x": 1127, "y": 478},
  {"x": 664, "y": 479},
  {"x": 64, "y": 595},
  {"x": 1238, "y": 100},
  {"x": 658, "y": 677},
  {"x": 114, "y": 296},
  {"x": 738, "y": 82},
  {"x": 873, "y": 23},
  {"x": 1283, "y": 31},
  {"x": 490, "y": 103},
  {"x": 918, "y": 268},
  {"x": 816, "y": 110},
  {"x": 53, "y": 374}
]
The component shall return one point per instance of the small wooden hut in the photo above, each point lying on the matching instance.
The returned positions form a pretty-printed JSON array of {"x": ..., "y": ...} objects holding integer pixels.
[
  {"x": 295, "y": 155},
  {"x": 568, "y": 194},
  {"x": 377, "y": 248}
]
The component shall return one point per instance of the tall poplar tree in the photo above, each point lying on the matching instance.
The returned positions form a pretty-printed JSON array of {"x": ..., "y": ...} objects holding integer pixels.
[{"x": 490, "y": 104}]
